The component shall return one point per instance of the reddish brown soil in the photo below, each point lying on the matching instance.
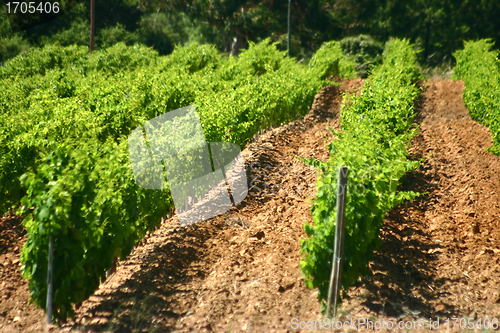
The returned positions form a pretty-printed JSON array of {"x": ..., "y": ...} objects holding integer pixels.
[
  {"x": 240, "y": 271},
  {"x": 16, "y": 314}
]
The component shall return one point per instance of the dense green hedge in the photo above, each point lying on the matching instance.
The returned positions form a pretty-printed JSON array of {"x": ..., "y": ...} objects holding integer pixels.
[
  {"x": 65, "y": 118},
  {"x": 376, "y": 128},
  {"x": 478, "y": 67}
]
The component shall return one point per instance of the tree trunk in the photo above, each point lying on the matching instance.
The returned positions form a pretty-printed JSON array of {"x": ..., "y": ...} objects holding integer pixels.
[
  {"x": 238, "y": 43},
  {"x": 427, "y": 40},
  {"x": 92, "y": 24}
]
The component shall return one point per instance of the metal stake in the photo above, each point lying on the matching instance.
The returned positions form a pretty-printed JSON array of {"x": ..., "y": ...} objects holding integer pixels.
[
  {"x": 289, "y": 14},
  {"x": 92, "y": 24},
  {"x": 50, "y": 278},
  {"x": 338, "y": 248}
]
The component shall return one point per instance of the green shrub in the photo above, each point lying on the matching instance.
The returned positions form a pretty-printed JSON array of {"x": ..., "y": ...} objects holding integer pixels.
[
  {"x": 12, "y": 46},
  {"x": 364, "y": 50},
  {"x": 193, "y": 58},
  {"x": 261, "y": 58},
  {"x": 329, "y": 60}
]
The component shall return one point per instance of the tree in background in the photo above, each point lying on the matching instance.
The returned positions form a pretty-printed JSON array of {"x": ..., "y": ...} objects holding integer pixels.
[
  {"x": 258, "y": 19},
  {"x": 437, "y": 27},
  {"x": 116, "y": 21}
]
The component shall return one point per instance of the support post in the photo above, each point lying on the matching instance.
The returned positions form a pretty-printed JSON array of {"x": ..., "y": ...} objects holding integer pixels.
[
  {"x": 50, "y": 280},
  {"x": 338, "y": 247},
  {"x": 92, "y": 24},
  {"x": 289, "y": 19}
]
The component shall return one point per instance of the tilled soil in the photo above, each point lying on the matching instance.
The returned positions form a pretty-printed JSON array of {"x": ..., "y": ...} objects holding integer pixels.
[
  {"x": 16, "y": 314},
  {"x": 240, "y": 271}
]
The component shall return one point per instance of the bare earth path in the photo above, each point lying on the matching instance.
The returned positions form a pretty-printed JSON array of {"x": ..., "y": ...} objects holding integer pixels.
[{"x": 239, "y": 272}]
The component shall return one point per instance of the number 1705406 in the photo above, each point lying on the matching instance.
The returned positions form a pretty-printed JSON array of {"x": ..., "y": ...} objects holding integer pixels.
[
  {"x": 32, "y": 7},
  {"x": 470, "y": 323}
]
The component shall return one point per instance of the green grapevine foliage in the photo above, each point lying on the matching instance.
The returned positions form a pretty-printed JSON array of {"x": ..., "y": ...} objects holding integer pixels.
[
  {"x": 65, "y": 117},
  {"x": 87, "y": 199},
  {"x": 376, "y": 128}
]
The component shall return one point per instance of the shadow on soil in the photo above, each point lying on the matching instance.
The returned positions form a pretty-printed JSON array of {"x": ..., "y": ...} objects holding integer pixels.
[{"x": 154, "y": 298}]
